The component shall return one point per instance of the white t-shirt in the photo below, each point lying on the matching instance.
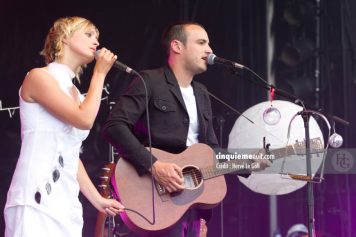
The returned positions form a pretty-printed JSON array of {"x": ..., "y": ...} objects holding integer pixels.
[{"x": 190, "y": 104}]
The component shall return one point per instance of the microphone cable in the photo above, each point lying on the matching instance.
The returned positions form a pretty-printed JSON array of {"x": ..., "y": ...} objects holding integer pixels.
[
  {"x": 130, "y": 71},
  {"x": 151, "y": 155}
]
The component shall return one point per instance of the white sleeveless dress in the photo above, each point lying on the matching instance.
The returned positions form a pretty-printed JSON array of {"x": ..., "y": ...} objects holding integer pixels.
[{"x": 43, "y": 197}]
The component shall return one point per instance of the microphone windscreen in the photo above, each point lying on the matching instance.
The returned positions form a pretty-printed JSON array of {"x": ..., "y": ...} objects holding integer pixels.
[
  {"x": 97, "y": 53},
  {"x": 210, "y": 59}
]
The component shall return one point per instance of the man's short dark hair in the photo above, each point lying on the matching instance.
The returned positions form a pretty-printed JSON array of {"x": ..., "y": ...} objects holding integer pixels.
[{"x": 175, "y": 31}]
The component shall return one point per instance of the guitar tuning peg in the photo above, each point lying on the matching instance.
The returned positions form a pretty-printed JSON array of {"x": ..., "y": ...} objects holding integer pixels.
[
  {"x": 335, "y": 140},
  {"x": 106, "y": 170}
]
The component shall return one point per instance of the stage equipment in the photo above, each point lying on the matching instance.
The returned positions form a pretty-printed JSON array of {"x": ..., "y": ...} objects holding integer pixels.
[{"x": 289, "y": 155}]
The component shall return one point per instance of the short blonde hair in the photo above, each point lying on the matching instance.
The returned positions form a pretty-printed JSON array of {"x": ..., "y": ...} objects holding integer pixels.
[{"x": 63, "y": 28}]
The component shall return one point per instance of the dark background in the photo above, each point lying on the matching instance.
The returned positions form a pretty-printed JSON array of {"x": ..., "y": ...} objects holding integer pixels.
[{"x": 237, "y": 31}]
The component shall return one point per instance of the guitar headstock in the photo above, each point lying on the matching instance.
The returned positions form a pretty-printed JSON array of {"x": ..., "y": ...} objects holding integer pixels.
[
  {"x": 316, "y": 146},
  {"x": 104, "y": 187}
]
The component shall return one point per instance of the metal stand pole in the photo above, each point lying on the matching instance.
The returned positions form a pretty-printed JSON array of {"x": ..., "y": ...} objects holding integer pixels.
[
  {"x": 220, "y": 121},
  {"x": 317, "y": 56},
  {"x": 310, "y": 196}
]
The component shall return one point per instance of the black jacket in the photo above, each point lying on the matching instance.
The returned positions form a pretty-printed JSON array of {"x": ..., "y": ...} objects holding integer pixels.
[{"x": 126, "y": 128}]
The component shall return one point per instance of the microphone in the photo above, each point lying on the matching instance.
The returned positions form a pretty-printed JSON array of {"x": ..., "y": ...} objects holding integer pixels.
[
  {"x": 213, "y": 59},
  {"x": 119, "y": 65}
]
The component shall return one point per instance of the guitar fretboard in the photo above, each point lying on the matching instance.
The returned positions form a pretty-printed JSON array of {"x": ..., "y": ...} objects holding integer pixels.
[{"x": 240, "y": 165}]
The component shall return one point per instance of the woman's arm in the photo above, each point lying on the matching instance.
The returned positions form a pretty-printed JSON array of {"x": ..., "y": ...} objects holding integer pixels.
[
  {"x": 109, "y": 206},
  {"x": 39, "y": 87}
]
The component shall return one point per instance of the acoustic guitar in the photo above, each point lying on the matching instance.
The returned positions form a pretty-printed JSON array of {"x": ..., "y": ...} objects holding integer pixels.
[{"x": 205, "y": 186}]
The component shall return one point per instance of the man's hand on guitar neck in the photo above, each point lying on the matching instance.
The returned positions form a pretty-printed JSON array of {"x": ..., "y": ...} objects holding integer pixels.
[{"x": 169, "y": 175}]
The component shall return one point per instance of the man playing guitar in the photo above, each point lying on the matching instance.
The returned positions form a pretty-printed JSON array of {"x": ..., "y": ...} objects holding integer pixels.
[{"x": 180, "y": 115}]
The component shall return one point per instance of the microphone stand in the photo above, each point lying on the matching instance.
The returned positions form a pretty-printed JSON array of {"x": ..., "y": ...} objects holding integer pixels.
[
  {"x": 310, "y": 195},
  {"x": 221, "y": 121},
  {"x": 306, "y": 116}
]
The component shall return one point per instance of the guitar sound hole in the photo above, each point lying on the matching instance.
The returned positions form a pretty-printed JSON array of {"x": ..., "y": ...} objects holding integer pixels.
[{"x": 192, "y": 177}]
